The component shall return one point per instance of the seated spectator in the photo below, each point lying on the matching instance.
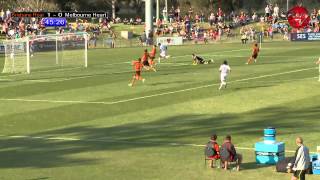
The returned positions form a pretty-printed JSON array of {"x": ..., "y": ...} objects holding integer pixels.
[
  {"x": 131, "y": 21},
  {"x": 228, "y": 154},
  {"x": 139, "y": 20},
  {"x": 118, "y": 20},
  {"x": 283, "y": 15},
  {"x": 125, "y": 21},
  {"x": 212, "y": 148}
]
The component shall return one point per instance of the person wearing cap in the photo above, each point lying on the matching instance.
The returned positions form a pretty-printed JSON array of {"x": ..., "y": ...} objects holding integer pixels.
[{"x": 302, "y": 160}]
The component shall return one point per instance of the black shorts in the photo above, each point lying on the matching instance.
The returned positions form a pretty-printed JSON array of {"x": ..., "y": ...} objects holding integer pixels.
[
  {"x": 145, "y": 63},
  {"x": 254, "y": 56},
  {"x": 300, "y": 174},
  {"x": 201, "y": 61}
]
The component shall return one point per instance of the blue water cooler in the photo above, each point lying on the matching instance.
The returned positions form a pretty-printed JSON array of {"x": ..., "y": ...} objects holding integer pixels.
[
  {"x": 316, "y": 167},
  {"x": 269, "y": 151},
  {"x": 315, "y": 160}
]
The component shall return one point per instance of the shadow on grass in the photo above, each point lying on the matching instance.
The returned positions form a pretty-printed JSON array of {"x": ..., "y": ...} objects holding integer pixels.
[
  {"x": 40, "y": 178},
  {"x": 253, "y": 165},
  {"x": 42, "y": 152}
]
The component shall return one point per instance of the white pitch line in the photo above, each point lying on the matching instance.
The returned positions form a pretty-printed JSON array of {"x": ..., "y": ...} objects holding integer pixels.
[
  {"x": 53, "y": 101},
  {"x": 209, "y": 85},
  {"x": 44, "y": 71},
  {"x": 153, "y": 95},
  {"x": 83, "y": 77},
  {"x": 127, "y": 62},
  {"x": 109, "y": 140}
]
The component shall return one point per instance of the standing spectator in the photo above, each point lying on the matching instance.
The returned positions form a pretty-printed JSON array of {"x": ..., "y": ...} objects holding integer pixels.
[
  {"x": 267, "y": 11},
  {"x": 178, "y": 11},
  {"x": 270, "y": 31},
  {"x": 220, "y": 33},
  {"x": 302, "y": 160},
  {"x": 2, "y": 15},
  {"x": 254, "y": 17},
  {"x": 228, "y": 153},
  {"x": 197, "y": 18},
  {"x": 285, "y": 34},
  {"x": 171, "y": 14},
  {"x": 22, "y": 28},
  {"x": 244, "y": 38},
  {"x": 202, "y": 17},
  {"x": 150, "y": 38},
  {"x": 190, "y": 11},
  {"x": 143, "y": 38},
  {"x": 276, "y": 11},
  {"x": 8, "y": 13},
  {"x": 93, "y": 40},
  {"x": 212, "y": 19},
  {"x": 220, "y": 12},
  {"x": 165, "y": 14}
]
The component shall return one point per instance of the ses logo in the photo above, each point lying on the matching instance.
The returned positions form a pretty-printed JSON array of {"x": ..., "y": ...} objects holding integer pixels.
[{"x": 302, "y": 36}]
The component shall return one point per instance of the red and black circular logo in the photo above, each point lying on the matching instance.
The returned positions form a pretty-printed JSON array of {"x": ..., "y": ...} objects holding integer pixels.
[{"x": 298, "y": 17}]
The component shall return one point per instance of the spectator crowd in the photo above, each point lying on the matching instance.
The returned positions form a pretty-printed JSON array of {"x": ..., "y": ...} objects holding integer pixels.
[
  {"x": 192, "y": 25},
  {"x": 215, "y": 24}
]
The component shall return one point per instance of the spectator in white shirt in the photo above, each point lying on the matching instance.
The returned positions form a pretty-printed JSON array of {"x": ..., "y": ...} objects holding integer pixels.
[
  {"x": 267, "y": 11},
  {"x": 8, "y": 13},
  {"x": 276, "y": 11}
]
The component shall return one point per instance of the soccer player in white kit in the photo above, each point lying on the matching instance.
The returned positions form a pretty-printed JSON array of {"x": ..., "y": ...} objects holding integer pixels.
[
  {"x": 163, "y": 52},
  {"x": 224, "y": 71}
]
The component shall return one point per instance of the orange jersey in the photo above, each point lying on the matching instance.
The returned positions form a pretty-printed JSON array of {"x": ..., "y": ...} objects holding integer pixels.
[
  {"x": 137, "y": 65},
  {"x": 145, "y": 56},
  {"x": 255, "y": 50},
  {"x": 153, "y": 52}
]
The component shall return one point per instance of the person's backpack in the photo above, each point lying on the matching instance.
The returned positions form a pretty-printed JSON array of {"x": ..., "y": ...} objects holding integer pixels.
[{"x": 209, "y": 150}]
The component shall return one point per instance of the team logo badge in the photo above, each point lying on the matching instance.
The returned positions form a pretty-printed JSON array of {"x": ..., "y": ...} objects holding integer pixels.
[{"x": 298, "y": 17}]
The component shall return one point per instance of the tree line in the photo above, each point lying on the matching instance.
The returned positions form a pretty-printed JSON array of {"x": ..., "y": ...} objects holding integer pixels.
[{"x": 138, "y": 5}]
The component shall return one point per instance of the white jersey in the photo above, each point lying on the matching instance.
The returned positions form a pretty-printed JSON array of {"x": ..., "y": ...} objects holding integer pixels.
[
  {"x": 163, "y": 51},
  {"x": 163, "y": 48},
  {"x": 224, "y": 69}
]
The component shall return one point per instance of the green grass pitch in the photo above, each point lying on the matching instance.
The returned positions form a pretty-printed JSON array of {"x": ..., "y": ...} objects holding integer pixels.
[{"x": 77, "y": 123}]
